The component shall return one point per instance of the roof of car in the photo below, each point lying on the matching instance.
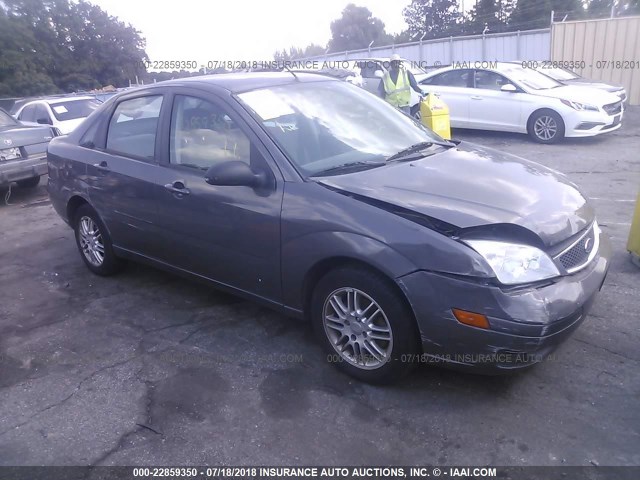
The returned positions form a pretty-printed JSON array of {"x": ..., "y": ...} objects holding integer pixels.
[
  {"x": 495, "y": 66},
  {"x": 56, "y": 100},
  {"x": 242, "y": 82},
  {"x": 53, "y": 101}
]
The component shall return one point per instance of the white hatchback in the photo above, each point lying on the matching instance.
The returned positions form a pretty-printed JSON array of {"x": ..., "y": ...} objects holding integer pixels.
[{"x": 511, "y": 98}]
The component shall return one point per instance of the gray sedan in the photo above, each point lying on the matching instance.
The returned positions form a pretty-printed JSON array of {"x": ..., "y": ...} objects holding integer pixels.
[
  {"x": 317, "y": 199},
  {"x": 23, "y": 151}
]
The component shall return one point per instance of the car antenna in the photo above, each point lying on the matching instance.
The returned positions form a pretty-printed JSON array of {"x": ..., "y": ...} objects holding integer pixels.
[{"x": 291, "y": 72}]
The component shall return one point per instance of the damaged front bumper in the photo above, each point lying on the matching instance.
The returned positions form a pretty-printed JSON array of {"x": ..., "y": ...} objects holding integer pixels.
[{"x": 526, "y": 324}]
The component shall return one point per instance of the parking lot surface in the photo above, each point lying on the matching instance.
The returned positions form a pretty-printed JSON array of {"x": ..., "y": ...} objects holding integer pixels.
[{"x": 146, "y": 368}]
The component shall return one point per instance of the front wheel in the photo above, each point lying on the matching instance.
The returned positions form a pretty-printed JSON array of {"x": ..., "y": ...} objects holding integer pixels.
[
  {"x": 546, "y": 126},
  {"x": 94, "y": 242},
  {"x": 364, "y": 325}
]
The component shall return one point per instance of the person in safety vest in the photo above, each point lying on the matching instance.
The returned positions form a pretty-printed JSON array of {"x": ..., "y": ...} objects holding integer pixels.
[{"x": 396, "y": 85}]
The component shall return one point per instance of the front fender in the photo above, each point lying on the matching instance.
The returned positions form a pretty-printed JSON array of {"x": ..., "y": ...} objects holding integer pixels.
[{"x": 301, "y": 254}]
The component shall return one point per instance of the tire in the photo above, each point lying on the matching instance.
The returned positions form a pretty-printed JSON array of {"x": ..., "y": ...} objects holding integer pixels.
[
  {"x": 94, "y": 243},
  {"x": 546, "y": 126},
  {"x": 29, "y": 182},
  {"x": 396, "y": 350}
]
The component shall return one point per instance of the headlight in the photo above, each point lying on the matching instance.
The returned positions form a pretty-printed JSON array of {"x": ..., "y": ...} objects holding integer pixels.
[
  {"x": 579, "y": 106},
  {"x": 514, "y": 263}
]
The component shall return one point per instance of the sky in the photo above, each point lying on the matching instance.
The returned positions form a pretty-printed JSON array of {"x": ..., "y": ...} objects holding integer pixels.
[{"x": 238, "y": 30}]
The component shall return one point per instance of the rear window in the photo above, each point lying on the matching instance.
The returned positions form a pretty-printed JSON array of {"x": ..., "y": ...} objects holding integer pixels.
[
  {"x": 6, "y": 120},
  {"x": 73, "y": 109}
]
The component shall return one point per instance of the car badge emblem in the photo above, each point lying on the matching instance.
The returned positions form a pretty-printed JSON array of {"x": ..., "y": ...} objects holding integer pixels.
[
  {"x": 8, "y": 141},
  {"x": 587, "y": 245}
]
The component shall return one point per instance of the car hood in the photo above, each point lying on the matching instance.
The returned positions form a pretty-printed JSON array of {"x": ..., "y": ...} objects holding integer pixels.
[
  {"x": 584, "y": 82},
  {"x": 24, "y": 135},
  {"x": 470, "y": 186},
  {"x": 581, "y": 94}
]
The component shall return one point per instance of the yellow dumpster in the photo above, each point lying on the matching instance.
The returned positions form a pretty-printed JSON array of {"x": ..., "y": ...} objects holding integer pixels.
[
  {"x": 435, "y": 115},
  {"x": 633, "y": 245}
]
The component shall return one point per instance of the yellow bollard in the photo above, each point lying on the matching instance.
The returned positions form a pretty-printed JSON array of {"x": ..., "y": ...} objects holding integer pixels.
[
  {"x": 633, "y": 245},
  {"x": 435, "y": 115}
]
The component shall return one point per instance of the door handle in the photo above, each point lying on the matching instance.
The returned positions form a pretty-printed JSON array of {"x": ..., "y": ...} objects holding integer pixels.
[
  {"x": 475, "y": 97},
  {"x": 178, "y": 188},
  {"x": 102, "y": 167}
]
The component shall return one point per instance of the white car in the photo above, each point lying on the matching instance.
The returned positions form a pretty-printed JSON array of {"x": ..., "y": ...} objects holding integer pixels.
[
  {"x": 569, "y": 77},
  {"x": 514, "y": 99},
  {"x": 63, "y": 113}
]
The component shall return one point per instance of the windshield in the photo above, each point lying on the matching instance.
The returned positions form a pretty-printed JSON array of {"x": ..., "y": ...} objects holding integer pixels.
[
  {"x": 560, "y": 74},
  {"x": 324, "y": 125},
  {"x": 6, "y": 120},
  {"x": 531, "y": 78},
  {"x": 73, "y": 109}
]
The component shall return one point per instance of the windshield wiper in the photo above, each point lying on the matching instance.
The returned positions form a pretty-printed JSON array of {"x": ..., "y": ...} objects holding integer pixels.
[
  {"x": 410, "y": 150},
  {"x": 354, "y": 166}
]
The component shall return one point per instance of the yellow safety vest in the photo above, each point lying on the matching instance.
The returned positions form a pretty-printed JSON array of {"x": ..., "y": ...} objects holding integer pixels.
[{"x": 399, "y": 93}]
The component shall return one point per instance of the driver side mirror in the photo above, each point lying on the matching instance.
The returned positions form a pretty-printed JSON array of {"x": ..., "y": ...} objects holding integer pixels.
[
  {"x": 234, "y": 173},
  {"x": 43, "y": 121},
  {"x": 509, "y": 88},
  {"x": 378, "y": 74}
]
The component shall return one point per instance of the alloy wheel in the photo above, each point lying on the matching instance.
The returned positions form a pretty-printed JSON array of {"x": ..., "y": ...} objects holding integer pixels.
[
  {"x": 357, "y": 328},
  {"x": 91, "y": 241},
  {"x": 545, "y": 127}
]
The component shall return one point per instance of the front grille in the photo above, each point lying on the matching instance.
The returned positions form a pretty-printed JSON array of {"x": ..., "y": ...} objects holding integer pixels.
[
  {"x": 581, "y": 252},
  {"x": 613, "y": 108}
]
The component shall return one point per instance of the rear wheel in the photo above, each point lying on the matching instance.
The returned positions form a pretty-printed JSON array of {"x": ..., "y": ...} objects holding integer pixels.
[
  {"x": 546, "y": 126},
  {"x": 364, "y": 325},
  {"x": 94, "y": 242},
  {"x": 29, "y": 182}
]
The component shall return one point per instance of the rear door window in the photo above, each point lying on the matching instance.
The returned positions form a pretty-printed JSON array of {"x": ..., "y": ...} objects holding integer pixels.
[
  {"x": 133, "y": 127},
  {"x": 28, "y": 114},
  {"x": 451, "y": 78}
]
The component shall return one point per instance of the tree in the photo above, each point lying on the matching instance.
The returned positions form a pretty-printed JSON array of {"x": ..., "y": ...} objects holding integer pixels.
[
  {"x": 295, "y": 53},
  {"x": 313, "y": 50},
  {"x": 356, "y": 29},
  {"x": 628, "y": 7},
  {"x": 490, "y": 16},
  {"x": 59, "y": 45},
  {"x": 529, "y": 14},
  {"x": 20, "y": 73},
  {"x": 433, "y": 18}
]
